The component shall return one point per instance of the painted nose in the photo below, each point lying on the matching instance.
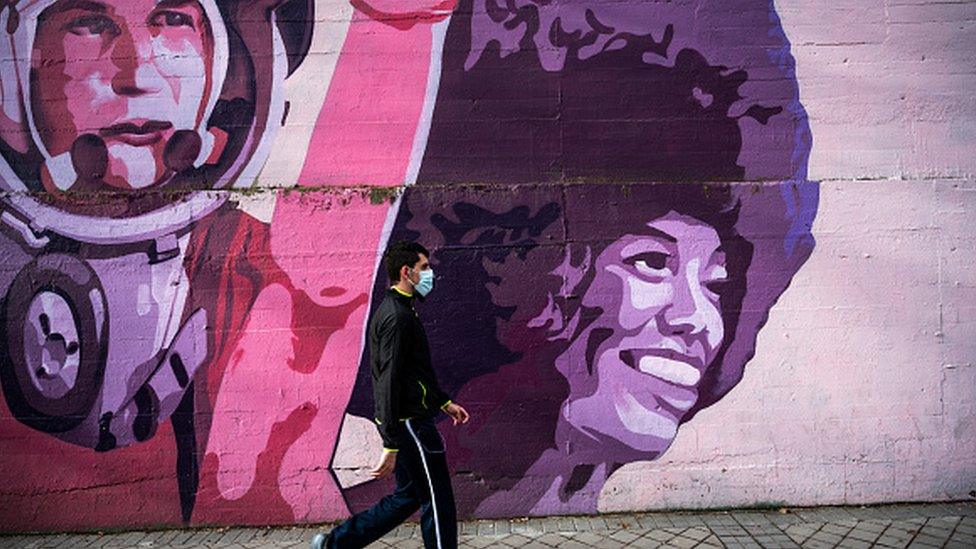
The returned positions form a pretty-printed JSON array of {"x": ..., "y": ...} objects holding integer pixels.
[
  {"x": 134, "y": 57},
  {"x": 686, "y": 314}
]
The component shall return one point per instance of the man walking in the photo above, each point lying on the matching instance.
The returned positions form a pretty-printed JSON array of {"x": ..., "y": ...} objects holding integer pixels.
[{"x": 407, "y": 399}]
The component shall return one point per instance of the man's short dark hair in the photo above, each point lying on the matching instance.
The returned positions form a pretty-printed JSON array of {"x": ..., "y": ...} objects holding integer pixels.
[{"x": 400, "y": 254}]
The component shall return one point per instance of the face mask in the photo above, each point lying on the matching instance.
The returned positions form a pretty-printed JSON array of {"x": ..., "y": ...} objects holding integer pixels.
[{"x": 426, "y": 283}]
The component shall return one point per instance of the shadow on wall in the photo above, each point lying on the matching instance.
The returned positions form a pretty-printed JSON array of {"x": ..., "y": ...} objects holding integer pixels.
[{"x": 661, "y": 209}]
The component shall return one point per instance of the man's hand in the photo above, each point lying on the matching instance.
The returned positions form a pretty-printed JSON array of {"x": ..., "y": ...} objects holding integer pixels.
[
  {"x": 457, "y": 413},
  {"x": 385, "y": 466}
]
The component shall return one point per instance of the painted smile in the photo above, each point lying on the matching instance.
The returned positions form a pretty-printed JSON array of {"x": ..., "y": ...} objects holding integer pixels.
[
  {"x": 676, "y": 373},
  {"x": 138, "y": 133},
  {"x": 675, "y": 367}
]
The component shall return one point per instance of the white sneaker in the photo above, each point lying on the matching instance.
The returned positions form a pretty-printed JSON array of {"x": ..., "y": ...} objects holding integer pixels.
[{"x": 318, "y": 542}]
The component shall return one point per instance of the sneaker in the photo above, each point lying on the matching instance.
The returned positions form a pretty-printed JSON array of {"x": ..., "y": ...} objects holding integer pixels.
[{"x": 318, "y": 542}]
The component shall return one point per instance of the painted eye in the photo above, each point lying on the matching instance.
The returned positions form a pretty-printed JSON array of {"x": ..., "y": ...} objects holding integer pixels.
[
  {"x": 93, "y": 25},
  {"x": 649, "y": 263},
  {"x": 172, "y": 19}
]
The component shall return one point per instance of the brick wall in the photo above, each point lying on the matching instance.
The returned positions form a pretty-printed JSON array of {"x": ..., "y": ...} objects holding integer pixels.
[{"x": 688, "y": 254}]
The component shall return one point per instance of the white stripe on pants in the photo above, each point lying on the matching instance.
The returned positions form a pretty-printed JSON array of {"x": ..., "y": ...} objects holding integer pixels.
[{"x": 430, "y": 483}]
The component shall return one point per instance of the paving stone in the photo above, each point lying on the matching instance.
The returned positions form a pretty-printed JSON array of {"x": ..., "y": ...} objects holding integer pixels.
[
  {"x": 849, "y": 543},
  {"x": 964, "y": 538},
  {"x": 872, "y": 526},
  {"x": 642, "y": 543},
  {"x": 922, "y": 544},
  {"x": 782, "y": 521},
  {"x": 947, "y": 521},
  {"x": 588, "y": 537},
  {"x": 515, "y": 540},
  {"x": 733, "y": 530},
  {"x": 746, "y": 518},
  {"x": 783, "y": 541},
  {"x": 150, "y": 539},
  {"x": 966, "y": 528},
  {"x": 836, "y": 529},
  {"x": 818, "y": 544},
  {"x": 863, "y": 535},
  {"x": 551, "y": 539},
  {"x": 646, "y": 522},
  {"x": 617, "y": 522},
  {"x": 797, "y": 539},
  {"x": 826, "y": 537},
  {"x": 536, "y": 525},
  {"x": 931, "y": 540},
  {"x": 711, "y": 541},
  {"x": 683, "y": 520},
  {"x": 624, "y": 536},
  {"x": 579, "y": 524},
  {"x": 682, "y": 542},
  {"x": 761, "y": 529},
  {"x": 742, "y": 542},
  {"x": 697, "y": 533},
  {"x": 566, "y": 524},
  {"x": 78, "y": 542},
  {"x": 597, "y": 524},
  {"x": 479, "y": 542},
  {"x": 894, "y": 538},
  {"x": 660, "y": 535},
  {"x": 936, "y": 532},
  {"x": 25, "y": 542},
  {"x": 664, "y": 521},
  {"x": 573, "y": 544},
  {"x": 415, "y": 543},
  {"x": 723, "y": 519},
  {"x": 806, "y": 530}
]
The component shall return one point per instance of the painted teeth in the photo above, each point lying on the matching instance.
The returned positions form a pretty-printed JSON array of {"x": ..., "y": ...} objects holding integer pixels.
[{"x": 674, "y": 371}]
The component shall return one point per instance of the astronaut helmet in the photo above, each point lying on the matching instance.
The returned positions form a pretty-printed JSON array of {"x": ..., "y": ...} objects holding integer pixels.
[
  {"x": 122, "y": 123},
  {"x": 103, "y": 99}
]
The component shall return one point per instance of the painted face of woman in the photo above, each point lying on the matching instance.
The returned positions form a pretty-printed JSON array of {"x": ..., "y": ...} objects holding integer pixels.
[
  {"x": 131, "y": 72},
  {"x": 637, "y": 366}
]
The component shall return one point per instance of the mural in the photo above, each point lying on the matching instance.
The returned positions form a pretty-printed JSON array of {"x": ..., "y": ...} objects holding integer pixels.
[
  {"x": 195, "y": 197},
  {"x": 607, "y": 313}
]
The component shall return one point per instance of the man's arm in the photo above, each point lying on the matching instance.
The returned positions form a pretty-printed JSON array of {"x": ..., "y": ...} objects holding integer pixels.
[{"x": 386, "y": 385}]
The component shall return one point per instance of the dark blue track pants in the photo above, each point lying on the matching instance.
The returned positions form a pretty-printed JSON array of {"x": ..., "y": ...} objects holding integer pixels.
[{"x": 422, "y": 481}]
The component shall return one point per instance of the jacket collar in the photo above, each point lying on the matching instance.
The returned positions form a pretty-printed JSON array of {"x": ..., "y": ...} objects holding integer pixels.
[{"x": 400, "y": 296}]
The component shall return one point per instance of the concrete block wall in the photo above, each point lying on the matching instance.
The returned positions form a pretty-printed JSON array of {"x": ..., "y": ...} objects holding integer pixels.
[{"x": 690, "y": 254}]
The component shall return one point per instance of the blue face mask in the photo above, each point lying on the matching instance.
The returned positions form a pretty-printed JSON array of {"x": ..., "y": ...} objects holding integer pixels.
[{"x": 426, "y": 283}]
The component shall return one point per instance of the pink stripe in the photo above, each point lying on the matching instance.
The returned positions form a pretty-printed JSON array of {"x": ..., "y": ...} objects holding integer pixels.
[{"x": 364, "y": 133}]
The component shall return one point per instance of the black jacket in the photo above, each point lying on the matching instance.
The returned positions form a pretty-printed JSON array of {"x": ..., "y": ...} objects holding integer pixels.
[{"x": 404, "y": 385}]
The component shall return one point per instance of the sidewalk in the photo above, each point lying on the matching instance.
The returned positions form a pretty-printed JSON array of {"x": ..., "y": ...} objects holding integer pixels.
[{"x": 949, "y": 525}]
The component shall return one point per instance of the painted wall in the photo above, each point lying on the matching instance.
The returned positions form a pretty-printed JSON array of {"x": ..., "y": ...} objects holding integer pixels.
[{"x": 689, "y": 254}]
